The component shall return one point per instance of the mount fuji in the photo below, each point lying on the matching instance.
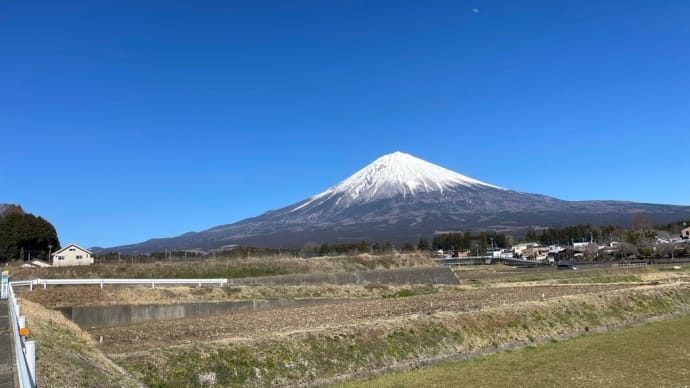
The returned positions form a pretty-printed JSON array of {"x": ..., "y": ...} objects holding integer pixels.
[{"x": 401, "y": 198}]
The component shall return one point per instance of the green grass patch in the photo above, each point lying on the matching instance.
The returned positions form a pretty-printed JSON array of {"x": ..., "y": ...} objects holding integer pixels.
[
  {"x": 413, "y": 291},
  {"x": 652, "y": 355},
  {"x": 672, "y": 269},
  {"x": 404, "y": 293}
]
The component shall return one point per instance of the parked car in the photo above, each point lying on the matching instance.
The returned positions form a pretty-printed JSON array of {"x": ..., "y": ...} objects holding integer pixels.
[{"x": 567, "y": 266}]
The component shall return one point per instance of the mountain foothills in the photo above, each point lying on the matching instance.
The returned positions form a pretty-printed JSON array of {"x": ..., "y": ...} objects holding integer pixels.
[
  {"x": 24, "y": 236},
  {"x": 400, "y": 198}
]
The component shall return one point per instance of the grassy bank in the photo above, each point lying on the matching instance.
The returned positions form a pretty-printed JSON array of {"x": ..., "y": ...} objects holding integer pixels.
[
  {"x": 67, "y": 356},
  {"x": 651, "y": 355},
  {"x": 322, "y": 356}
]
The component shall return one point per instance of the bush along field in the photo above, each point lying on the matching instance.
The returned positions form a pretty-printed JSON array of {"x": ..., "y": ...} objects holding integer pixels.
[{"x": 338, "y": 353}]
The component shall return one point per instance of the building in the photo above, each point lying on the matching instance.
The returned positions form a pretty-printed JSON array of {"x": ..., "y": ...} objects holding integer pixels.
[
  {"x": 685, "y": 233},
  {"x": 581, "y": 245},
  {"x": 519, "y": 249},
  {"x": 72, "y": 255}
]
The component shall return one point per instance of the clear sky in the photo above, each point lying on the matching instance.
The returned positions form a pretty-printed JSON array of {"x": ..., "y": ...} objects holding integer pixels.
[{"x": 122, "y": 121}]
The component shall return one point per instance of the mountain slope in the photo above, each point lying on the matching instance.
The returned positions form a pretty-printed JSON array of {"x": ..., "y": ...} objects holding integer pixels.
[{"x": 401, "y": 198}]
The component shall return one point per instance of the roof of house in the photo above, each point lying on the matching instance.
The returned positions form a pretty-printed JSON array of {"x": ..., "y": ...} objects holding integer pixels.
[{"x": 71, "y": 245}]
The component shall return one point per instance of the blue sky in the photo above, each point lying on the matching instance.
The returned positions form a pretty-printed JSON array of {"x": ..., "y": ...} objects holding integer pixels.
[{"x": 127, "y": 120}]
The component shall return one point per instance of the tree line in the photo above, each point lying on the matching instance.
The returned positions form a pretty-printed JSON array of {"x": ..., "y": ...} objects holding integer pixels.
[
  {"x": 24, "y": 236},
  {"x": 576, "y": 233},
  {"x": 468, "y": 241}
]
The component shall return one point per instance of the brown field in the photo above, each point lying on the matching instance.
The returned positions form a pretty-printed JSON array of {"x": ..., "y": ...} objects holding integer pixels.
[
  {"x": 355, "y": 334},
  {"x": 342, "y": 313}
]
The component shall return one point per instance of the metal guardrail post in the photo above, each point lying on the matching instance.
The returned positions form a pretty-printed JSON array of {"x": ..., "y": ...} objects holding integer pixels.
[{"x": 30, "y": 348}]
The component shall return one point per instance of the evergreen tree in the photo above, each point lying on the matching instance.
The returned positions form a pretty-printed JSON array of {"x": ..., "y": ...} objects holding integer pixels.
[
  {"x": 423, "y": 245},
  {"x": 23, "y": 235}
]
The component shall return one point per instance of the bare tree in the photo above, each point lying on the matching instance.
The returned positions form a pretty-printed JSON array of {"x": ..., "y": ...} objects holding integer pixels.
[
  {"x": 641, "y": 222},
  {"x": 665, "y": 249},
  {"x": 627, "y": 250},
  {"x": 591, "y": 252}
]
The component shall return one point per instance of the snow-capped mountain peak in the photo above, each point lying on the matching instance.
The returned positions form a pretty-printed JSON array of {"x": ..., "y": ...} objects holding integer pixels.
[{"x": 393, "y": 175}]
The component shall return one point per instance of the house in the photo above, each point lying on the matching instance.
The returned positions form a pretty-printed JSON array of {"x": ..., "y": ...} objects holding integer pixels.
[
  {"x": 72, "y": 255},
  {"x": 556, "y": 249},
  {"x": 461, "y": 253},
  {"x": 519, "y": 249},
  {"x": 581, "y": 245},
  {"x": 535, "y": 252},
  {"x": 498, "y": 253},
  {"x": 685, "y": 233}
]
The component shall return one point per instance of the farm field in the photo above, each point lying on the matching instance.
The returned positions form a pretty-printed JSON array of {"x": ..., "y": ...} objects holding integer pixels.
[
  {"x": 357, "y": 332},
  {"x": 655, "y": 354}
]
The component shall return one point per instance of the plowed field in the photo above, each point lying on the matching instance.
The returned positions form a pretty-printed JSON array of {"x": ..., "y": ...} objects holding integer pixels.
[{"x": 346, "y": 312}]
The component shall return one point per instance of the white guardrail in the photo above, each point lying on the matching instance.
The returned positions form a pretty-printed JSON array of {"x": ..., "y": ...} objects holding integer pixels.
[
  {"x": 25, "y": 351},
  {"x": 101, "y": 282}
]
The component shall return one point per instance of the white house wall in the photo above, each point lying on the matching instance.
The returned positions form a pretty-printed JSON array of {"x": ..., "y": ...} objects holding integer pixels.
[{"x": 70, "y": 257}]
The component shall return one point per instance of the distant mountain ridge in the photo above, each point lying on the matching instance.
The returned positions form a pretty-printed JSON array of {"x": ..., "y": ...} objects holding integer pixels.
[{"x": 401, "y": 198}]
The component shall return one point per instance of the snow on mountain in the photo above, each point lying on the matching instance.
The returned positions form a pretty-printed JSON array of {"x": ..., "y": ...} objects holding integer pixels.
[{"x": 392, "y": 175}]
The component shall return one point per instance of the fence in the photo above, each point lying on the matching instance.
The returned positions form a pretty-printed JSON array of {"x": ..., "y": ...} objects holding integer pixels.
[
  {"x": 25, "y": 351},
  {"x": 101, "y": 282},
  {"x": 629, "y": 265}
]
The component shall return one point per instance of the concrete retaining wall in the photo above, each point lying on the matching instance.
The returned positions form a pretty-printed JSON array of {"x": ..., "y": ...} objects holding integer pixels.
[{"x": 105, "y": 316}]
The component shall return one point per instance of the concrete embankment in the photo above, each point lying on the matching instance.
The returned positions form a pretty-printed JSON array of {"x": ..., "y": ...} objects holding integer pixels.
[{"x": 106, "y": 316}]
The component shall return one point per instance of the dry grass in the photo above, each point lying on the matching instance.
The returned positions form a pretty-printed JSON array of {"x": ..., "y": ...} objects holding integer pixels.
[
  {"x": 62, "y": 296},
  {"x": 315, "y": 348},
  {"x": 220, "y": 267},
  {"x": 66, "y": 356}
]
